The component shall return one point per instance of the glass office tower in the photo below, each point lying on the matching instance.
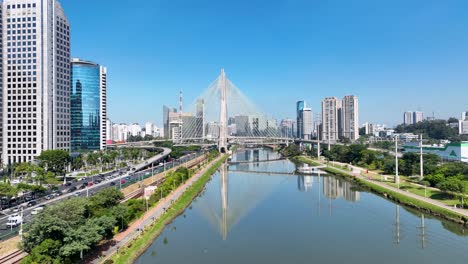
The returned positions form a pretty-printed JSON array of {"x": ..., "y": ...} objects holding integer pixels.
[{"x": 88, "y": 106}]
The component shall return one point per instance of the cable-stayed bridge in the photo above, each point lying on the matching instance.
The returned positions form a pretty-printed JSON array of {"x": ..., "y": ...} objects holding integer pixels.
[{"x": 223, "y": 115}]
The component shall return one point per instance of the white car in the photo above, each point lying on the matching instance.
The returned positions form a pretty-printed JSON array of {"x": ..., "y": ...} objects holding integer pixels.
[
  {"x": 37, "y": 210},
  {"x": 14, "y": 221}
]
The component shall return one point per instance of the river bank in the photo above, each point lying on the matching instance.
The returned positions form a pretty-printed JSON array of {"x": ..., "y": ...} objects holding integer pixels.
[
  {"x": 425, "y": 205},
  {"x": 132, "y": 250}
]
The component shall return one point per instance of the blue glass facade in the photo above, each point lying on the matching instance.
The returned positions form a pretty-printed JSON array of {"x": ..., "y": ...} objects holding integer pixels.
[{"x": 85, "y": 106}]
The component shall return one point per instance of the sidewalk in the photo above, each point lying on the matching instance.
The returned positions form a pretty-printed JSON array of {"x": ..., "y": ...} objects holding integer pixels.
[
  {"x": 153, "y": 214},
  {"x": 391, "y": 188}
]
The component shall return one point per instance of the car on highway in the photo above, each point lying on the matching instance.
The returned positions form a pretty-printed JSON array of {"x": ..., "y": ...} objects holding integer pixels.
[
  {"x": 48, "y": 197},
  {"x": 77, "y": 194},
  {"x": 31, "y": 203},
  {"x": 90, "y": 184},
  {"x": 68, "y": 184},
  {"x": 14, "y": 222},
  {"x": 123, "y": 181},
  {"x": 112, "y": 183},
  {"x": 72, "y": 189},
  {"x": 37, "y": 210}
]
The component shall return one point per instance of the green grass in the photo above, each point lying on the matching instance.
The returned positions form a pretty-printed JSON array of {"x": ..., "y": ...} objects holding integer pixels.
[
  {"x": 133, "y": 250},
  {"x": 409, "y": 201},
  {"x": 307, "y": 161}
]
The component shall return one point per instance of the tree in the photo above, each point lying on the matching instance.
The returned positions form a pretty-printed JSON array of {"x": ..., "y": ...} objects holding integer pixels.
[
  {"x": 452, "y": 184},
  {"x": 55, "y": 161},
  {"x": 47, "y": 252}
]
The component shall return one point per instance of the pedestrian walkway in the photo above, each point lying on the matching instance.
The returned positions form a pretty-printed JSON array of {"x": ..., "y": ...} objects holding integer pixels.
[
  {"x": 154, "y": 213},
  {"x": 459, "y": 211}
]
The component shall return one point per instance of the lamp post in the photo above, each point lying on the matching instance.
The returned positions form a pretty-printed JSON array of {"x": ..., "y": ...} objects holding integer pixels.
[
  {"x": 421, "y": 158},
  {"x": 397, "y": 177}
]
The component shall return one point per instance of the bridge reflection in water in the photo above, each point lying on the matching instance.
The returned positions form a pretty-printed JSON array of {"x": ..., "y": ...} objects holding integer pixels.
[{"x": 224, "y": 211}]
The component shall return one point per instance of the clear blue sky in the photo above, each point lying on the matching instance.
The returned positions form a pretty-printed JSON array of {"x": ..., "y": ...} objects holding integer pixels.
[{"x": 394, "y": 55}]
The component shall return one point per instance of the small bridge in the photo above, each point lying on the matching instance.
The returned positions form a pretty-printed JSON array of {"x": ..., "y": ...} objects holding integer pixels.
[{"x": 255, "y": 161}]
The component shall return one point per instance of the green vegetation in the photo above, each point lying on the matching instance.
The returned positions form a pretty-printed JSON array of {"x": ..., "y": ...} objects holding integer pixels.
[
  {"x": 450, "y": 177},
  {"x": 137, "y": 247},
  {"x": 434, "y": 130},
  {"x": 61, "y": 233},
  {"x": 177, "y": 151},
  {"x": 400, "y": 198},
  {"x": 306, "y": 160},
  {"x": 292, "y": 150}
]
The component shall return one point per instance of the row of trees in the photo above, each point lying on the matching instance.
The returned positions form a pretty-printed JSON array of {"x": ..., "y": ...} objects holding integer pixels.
[
  {"x": 435, "y": 130},
  {"x": 450, "y": 176},
  {"x": 63, "y": 232}
]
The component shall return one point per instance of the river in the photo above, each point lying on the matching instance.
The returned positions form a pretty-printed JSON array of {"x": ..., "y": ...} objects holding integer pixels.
[{"x": 246, "y": 215}]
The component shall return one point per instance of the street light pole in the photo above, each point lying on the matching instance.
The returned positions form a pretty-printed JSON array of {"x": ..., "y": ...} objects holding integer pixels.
[
  {"x": 397, "y": 177},
  {"x": 421, "y": 158}
]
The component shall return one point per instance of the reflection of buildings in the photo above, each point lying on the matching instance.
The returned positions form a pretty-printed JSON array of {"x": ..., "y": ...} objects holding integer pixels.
[
  {"x": 88, "y": 106},
  {"x": 334, "y": 188},
  {"x": 305, "y": 183}
]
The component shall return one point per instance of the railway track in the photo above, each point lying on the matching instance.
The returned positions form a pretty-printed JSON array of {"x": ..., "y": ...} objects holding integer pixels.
[{"x": 13, "y": 257}]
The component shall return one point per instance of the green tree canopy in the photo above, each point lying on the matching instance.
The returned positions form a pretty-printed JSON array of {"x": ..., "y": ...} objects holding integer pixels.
[{"x": 54, "y": 161}]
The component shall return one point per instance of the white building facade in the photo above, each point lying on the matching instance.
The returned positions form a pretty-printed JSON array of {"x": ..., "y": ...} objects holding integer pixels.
[
  {"x": 350, "y": 117},
  {"x": 330, "y": 107},
  {"x": 36, "y": 79}
]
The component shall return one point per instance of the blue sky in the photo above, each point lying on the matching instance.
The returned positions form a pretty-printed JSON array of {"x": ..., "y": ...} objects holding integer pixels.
[{"x": 394, "y": 55}]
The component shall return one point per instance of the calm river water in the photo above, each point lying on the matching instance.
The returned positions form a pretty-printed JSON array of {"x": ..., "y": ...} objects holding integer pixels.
[{"x": 246, "y": 215}]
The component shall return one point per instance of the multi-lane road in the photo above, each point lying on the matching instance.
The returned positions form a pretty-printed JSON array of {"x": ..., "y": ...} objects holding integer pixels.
[{"x": 117, "y": 179}]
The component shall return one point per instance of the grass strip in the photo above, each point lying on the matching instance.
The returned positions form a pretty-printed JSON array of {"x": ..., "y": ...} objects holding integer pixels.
[
  {"x": 307, "y": 161},
  {"x": 401, "y": 198},
  {"x": 137, "y": 247}
]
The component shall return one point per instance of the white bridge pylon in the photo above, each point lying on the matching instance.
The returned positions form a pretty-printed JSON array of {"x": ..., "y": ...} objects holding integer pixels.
[{"x": 224, "y": 115}]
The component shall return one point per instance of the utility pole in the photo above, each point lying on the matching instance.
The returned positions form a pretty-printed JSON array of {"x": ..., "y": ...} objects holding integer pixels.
[
  {"x": 397, "y": 177},
  {"x": 397, "y": 224},
  {"x": 421, "y": 158},
  {"x": 423, "y": 234}
]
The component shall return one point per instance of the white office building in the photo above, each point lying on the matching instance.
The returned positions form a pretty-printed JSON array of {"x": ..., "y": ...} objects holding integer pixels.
[
  {"x": 36, "y": 79},
  {"x": 307, "y": 125}
]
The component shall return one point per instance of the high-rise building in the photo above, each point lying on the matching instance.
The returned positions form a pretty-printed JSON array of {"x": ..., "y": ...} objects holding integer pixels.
[
  {"x": 300, "y": 105},
  {"x": 418, "y": 117},
  {"x": 109, "y": 130},
  {"x": 36, "y": 79},
  {"x": 464, "y": 116},
  {"x": 287, "y": 128},
  {"x": 349, "y": 118},
  {"x": 88, "y": 106},
  {"x": 330, "y": 107},
  {"x": 307, "y": 125},
  {"x": 166, "y": 120},
  {"x": 408, "y": 118},
  {"x": 200, "y": 119}
]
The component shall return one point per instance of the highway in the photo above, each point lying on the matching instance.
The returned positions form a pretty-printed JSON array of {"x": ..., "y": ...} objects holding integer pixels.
[{"x": 110, "y": 179}]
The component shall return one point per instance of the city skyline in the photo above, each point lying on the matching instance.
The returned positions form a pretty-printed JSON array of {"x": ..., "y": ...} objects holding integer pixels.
[{"x": 315, "y": 65}]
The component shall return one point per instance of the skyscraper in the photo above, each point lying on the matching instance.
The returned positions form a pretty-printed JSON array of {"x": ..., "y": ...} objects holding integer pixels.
[
  {"x": 408, "y": 118},
  {"x": 307, "y": 123},
  {"x": 299, "y": 108},
  {"x": 418, "y": 117},
  {"x": 350, "y": 118},
  {"x": 88, "y": 106},
  {"x": 36, "y": 79},
  {"x": 330, "y": 107}
]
